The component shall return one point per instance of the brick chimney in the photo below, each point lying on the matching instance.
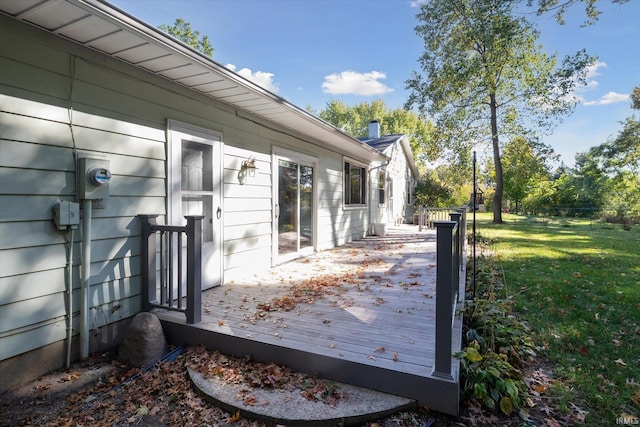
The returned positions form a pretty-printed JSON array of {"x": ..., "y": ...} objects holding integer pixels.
[{"x": 374, "y": 129}]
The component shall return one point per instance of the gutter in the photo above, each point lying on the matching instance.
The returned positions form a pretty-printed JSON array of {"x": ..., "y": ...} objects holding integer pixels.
[{"x": 157, "y": 36}]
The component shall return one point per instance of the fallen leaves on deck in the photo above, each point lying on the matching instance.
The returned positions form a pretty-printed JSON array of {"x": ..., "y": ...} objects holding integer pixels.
[{"x": 364, "y": 267}]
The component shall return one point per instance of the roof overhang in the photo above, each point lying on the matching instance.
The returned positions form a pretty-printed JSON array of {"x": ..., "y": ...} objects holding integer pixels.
[
  {"x": 101, "y": 26},
  {"x": 386, "y": 144},
  {"x": 406, "y": 147}
]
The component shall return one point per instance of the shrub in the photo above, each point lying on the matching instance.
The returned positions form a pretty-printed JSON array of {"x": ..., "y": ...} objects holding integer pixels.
[
  {"x": 498, "y": 345},
  {"x": 490, "y": 379}
]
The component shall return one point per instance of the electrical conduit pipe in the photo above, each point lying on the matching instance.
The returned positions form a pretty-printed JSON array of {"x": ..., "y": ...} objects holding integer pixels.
[
  {"x": 85, "y": 278},
  {"x": 70, "y": 298}
]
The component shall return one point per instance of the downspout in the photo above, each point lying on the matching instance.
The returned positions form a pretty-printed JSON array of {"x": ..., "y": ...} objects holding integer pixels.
[{"x": 85, "y": 278}]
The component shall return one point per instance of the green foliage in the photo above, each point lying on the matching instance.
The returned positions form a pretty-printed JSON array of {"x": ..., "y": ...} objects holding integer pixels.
[
  {"x": 498, "y": 346},
  {"x": 431, "y": 192},
  {"x": 623, "y": 152},
  {"x": 181, "y": 30},
  {"x": 559, "y": 7},
  {"x": 355, "y": 121},
  {"x": 491, "y": 380},
  {"x": 605, "y": 181},
  {"x": 524, "y": 165},
  {"x": 624, "y": 197}
]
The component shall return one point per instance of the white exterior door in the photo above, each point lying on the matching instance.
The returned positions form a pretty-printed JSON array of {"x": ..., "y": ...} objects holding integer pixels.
[{"x": 195, "y": 188}]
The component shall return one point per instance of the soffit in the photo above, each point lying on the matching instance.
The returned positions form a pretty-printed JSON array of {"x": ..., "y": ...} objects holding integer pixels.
[{"x": 103, "y": 27}]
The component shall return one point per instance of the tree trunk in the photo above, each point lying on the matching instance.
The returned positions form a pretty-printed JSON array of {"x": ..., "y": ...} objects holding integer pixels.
[{"x": 497, "y": 197}]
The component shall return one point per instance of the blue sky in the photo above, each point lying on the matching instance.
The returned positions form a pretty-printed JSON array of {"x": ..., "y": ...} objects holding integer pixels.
[{"x": 313, "y": 51}]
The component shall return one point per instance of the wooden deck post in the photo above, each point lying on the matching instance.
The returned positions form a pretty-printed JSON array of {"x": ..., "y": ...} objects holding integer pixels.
[
  {"x": 444, "y": 297},
  {"x": 148, "y": 260},
  {"x": 194, "y": 269}
]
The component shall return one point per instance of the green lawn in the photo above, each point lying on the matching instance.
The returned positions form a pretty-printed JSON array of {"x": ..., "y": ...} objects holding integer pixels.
[{"x": 577, "y": 284}]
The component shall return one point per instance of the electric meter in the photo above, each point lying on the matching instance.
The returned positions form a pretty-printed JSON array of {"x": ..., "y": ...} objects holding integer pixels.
[
  {"x": 99, "y": 176},
  {"x": 93, "y": 176}
]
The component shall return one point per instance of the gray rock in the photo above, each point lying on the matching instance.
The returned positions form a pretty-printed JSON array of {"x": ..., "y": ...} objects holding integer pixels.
[{"x": 144, "y": 342}]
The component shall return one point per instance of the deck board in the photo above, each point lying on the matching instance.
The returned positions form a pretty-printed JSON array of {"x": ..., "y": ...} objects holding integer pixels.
[{"x": 376, "y": 310}]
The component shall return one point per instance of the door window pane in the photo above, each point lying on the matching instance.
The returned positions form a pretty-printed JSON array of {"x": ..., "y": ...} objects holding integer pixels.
[
  {"x": 287, "y": 207},
  {"x": 306, "y": 206},
  {"x": 197, "y": 184},
  {"x": 196, "y": 167}
]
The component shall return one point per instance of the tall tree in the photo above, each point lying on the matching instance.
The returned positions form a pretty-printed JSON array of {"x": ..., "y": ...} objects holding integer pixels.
[
  {"x": 430, "y": 191},
  {"x": 524, "y": 165},
  {"x": 618, "y": 163},
  {"x": 181, "y": 30},
  {"x": 623, "y": 152},
  {"x": 355, "y": 121},
  {"x": 484, "y": 75}
]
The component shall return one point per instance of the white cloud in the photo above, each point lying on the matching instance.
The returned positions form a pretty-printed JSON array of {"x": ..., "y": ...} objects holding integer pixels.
[
  {"x": 354, "y": 83},
  {"x": 593, "y": 70},
  {"x": 609, "y": 98},
  {"x": 261, "y": 78}
]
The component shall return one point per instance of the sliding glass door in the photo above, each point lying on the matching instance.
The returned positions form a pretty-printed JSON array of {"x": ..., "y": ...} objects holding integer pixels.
[{"x": 294, "y": 208}]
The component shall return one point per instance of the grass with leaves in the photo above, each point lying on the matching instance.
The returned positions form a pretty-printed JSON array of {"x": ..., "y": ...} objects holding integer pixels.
[{"x": 577, "y": 285}]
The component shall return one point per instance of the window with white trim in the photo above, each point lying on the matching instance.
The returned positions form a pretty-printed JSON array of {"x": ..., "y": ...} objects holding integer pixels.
[
  {"x": 355, "y": 184},
  {"x": 382, "y": 180}
]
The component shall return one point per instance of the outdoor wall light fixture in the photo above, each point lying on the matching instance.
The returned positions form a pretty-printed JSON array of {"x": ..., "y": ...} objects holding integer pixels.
[
  {"x": 247, "y": 169},
  {"x": 249, "y": 165}
]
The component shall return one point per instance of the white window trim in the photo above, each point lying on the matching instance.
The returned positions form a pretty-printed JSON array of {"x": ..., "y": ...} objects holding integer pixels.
[
  {"x": 295, "y": 156},
  {"x": 384, "y": 188},
  {"x": 366, "y": 183}
]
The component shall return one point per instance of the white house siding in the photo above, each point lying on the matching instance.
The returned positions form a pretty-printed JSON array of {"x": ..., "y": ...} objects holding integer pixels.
[
  {"x": 337, "y": 224},
  {"x": 398, "y": 167},
  {"x": 121, "y": 113},
  {"x": 247, "y": 211},
  {"x": 396, "y": 205}
]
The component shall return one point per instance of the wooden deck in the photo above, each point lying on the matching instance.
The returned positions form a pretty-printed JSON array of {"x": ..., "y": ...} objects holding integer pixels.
[{"x": 362, "y": 314}]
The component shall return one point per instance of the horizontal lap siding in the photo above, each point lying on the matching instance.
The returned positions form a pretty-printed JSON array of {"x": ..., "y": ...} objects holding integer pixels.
[
  {"x": 247, "y": 205},
  {"x": 121, "y": 113},
  {"x": 33, "y": 177},
  {"x": 398, "y": 170},
  {"x": 337, "y": 224},
  {"x": 37, "y": 169}
]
